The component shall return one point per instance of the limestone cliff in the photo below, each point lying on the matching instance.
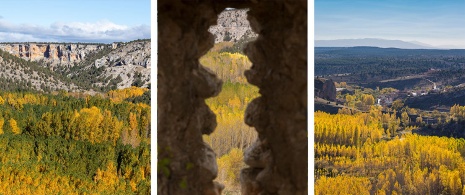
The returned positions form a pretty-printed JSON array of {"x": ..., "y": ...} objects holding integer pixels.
[{"x": 51, "y": 53}]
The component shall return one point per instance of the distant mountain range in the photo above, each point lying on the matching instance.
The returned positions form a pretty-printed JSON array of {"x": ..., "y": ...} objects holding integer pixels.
[{"x": 382, "y": 43}]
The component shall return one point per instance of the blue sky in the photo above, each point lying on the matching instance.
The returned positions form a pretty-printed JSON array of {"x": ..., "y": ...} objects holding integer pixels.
[
  {"x": 435, "y": 22},
  {"x": 74, "y": 20}
]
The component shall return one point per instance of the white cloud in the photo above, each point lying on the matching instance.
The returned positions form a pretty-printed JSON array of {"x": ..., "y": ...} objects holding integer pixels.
[{"x": 100, "y": 31}]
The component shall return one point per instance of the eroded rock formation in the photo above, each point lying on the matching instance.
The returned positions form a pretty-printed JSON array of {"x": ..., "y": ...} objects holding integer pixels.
[
  {"x": 325, "y": 89},
  {"x": 232, "y": 26},
  {"x": 278, "y": 161},
  {"x": 51, "y": 53}
]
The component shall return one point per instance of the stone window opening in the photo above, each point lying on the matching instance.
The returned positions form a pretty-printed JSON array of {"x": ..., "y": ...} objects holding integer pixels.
[
  {"x": 186, "y": 164},
  {"x": 228, "y": 61}
]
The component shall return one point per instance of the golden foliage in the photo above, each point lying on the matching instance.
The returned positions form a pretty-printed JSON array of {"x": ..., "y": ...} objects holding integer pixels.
[
  {"x": 2, "y": 121},
  {"x": 411, "y": 164},
  {"x": 14, "y": 126},
  {"x": 227, "y": 66},
  {"x": 342, "y": 185},
  {"x": 120, "y": 94},
  {"x": 229, "y": 167}
]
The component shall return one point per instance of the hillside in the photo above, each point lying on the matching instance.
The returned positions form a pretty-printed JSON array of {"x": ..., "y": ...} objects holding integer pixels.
[
  {"x": 75, "y": 66},
  {"x": 19, "y": 74},
  {"x": 70, "y": 143}
]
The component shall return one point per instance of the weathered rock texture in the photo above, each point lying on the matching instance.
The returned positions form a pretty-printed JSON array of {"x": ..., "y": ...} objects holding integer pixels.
[
  {"x": 278, "y": 161},
  {"x": 232, "y": 26},
  {"x": 126, "y": 61},
  {"x": 54, "y": 54},
  {"x": 325, "y": 89}
]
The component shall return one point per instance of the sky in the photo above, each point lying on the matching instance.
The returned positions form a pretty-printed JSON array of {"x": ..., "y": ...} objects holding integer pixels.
[
  {"x": 96, "y": 21},
  {"x": 439, "y": 23}
]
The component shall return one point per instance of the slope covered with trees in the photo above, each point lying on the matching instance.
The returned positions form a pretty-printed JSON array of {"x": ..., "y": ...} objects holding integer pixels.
[
  {"x": 358, "y": 154},
  {"x": 232, "y": 135},
  {"x": 70, "y": 143}
]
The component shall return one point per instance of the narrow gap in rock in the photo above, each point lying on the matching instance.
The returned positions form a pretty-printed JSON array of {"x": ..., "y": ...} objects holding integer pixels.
[{"x": 228, "y": 61}]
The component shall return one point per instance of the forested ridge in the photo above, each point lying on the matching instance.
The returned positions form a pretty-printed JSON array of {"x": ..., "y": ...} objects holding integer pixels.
[
  {"x": 72, "y": 143},
  {"x": 370, "y": 65}
]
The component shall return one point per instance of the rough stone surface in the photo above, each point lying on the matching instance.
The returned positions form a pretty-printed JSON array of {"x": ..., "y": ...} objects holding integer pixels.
[
  {"x": 279, "y": 55},
  {"x": 279, "y": 58},
  {"x": 325, "y": 89},
  {"x": 127, "y": 60},
  {"x": 183, "y": 85},
  {"x": 249, "y": 185},
  {"x": 257, "y": 155},
  {"x": 232, "y": 26}
]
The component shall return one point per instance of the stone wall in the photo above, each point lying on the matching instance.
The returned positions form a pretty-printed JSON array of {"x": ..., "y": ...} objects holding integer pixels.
[
  {"x": 279, "y": 58},
  {"x": 278, "y": 160}
]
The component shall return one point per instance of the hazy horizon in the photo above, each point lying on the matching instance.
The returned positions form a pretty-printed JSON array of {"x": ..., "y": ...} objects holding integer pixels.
[{"x": 436, "y": 23}]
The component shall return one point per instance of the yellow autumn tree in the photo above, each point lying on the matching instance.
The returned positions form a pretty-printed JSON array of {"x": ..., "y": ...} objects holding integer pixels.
[
  {"x": 2, "y": 121},
  {"x": 88, "y": 127},
  {"x": 230, "y": 165},
  {"x": 14, "y": 126}
]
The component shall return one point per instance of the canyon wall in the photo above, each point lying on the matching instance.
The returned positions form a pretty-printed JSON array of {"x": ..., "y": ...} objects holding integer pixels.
[{"x": 51, "y": 53}]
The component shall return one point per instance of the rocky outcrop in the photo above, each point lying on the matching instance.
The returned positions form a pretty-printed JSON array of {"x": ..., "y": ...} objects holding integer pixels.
[
  {"x": 232, "y": 26},
  {"x": 52, "y": 53},
  {"x": 130, "y": 61},
  {"x": 325, "y": 89},
  {"x": 135, "y": 53},
  {"x": 278, "y": 161}
]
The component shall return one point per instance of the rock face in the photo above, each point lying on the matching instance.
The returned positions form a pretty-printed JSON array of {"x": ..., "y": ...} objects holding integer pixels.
[
  {"x": 232, "y": 26},
  {"x": 278, "y": 161},
  {"x": 325, "y": 89},
  {"x": 279, "y": 58},
  {"x": 54, "y": 54},
  {"x": 127, "y": 60},
  {"x": 183, "y": 86}
]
